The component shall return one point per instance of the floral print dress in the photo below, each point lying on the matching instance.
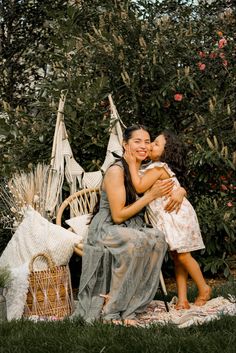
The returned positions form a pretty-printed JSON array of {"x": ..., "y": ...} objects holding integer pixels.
[{"x": 182, "y": 231}]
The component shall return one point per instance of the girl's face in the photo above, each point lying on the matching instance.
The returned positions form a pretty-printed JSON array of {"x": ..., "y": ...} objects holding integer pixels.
[
  {"x": 139, "y": 144},
  {"x": 157, "y": 148}
]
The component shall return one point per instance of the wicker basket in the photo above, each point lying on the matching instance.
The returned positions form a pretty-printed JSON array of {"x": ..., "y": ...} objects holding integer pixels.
[{"x": 50, "y": 292}]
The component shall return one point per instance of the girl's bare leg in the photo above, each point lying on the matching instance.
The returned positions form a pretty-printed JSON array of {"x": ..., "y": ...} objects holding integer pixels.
[
  {"x": 193, "y": 268},
  {"x": 181, "y": 275}
]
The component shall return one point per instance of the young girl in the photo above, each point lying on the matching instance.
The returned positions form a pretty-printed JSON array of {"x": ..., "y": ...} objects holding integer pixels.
[{"x": 181, "y": 227}]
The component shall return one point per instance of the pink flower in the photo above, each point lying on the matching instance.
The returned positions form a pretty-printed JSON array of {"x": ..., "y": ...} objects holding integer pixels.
[
  {"x": 201, "y": 66},
  {"x": 178, "y": 97},
  {"x": 202, "y": 54},
  {"x": 223, "y": 187},
  {"x": 229, "y": 204},
  {"x": 222, "y": 55},
  {"x": 225, "y": 63},
  {"x": 213, "y": 55},
  {"x": 222, "y": 43}
]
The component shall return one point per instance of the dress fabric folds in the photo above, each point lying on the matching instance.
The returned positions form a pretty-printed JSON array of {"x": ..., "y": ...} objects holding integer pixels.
[{"x": 123, "y": 261}]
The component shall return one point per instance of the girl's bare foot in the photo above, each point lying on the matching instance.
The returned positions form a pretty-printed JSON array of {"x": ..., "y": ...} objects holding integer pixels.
[
  {"x": 203, "y": 297},
  {"x": 182, "y": 305}
]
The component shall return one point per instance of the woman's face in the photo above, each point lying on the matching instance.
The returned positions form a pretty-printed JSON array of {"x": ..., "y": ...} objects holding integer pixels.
[
  {"x": 139, "y": 144},
  {"x": 157, "y": 148}
]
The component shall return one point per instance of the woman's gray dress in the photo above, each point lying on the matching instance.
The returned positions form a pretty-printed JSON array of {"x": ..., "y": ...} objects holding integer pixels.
[{"x": 123, "y": 260}]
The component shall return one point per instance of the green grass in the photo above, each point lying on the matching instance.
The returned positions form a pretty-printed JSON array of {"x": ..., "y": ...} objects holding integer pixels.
[{"x": 76, "y": 336}]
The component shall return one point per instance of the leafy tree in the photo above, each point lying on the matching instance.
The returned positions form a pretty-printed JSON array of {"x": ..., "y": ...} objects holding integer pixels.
[
  {"x": 27, "y": 50},
  {"x": 168, "y": 64}
]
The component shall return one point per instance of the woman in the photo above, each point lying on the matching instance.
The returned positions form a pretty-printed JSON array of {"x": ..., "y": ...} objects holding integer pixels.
[{"x": 123, "y": 257}]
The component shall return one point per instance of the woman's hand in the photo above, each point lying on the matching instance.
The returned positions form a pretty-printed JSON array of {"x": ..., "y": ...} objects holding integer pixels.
[
  {"x": 175, "y": 200},
  {"x": 161, "y": 188}
]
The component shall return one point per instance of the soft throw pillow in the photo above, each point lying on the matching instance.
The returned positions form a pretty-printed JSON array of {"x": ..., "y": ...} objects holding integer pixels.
[
  {"x": 35, "y": 235},
  {"x": 80, "y": 225}
]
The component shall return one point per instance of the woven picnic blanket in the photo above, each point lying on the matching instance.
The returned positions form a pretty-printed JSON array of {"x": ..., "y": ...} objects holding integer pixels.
[
  {"x": 156, "y": 313},
  {"x": 214, "y": 309}
]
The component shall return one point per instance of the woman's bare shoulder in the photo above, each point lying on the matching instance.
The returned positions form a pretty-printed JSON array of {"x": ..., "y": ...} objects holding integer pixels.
[
  {"x": 115, "y": 168},
  {"x": 114, "y": 177},
  {"x": 113, "y": 171}
]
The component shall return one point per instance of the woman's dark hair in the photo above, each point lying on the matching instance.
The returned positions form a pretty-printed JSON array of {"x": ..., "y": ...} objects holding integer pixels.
[
  {"x": 175, "y": 155},
  {"x": 129, "y": 188}
]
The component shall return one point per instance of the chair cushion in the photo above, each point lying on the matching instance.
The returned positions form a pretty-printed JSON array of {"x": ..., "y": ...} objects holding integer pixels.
[{"x": 80, "y": 225}]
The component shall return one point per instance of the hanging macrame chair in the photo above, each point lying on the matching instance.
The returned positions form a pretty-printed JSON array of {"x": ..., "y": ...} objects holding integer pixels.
[{"x": 63, "y": 164}]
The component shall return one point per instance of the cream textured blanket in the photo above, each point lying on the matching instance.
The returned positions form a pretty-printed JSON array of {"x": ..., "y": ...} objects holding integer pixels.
[{"x": 34, "y": 235}]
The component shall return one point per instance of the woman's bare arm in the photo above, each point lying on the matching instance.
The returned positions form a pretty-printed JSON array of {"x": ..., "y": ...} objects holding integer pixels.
[
  {"x": 175, "y": 199},
  {"x": 113, "y": 184}
]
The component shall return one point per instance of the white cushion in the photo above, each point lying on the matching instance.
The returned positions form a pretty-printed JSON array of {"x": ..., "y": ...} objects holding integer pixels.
[
  {"x": 80, "y": 225},
  {"x": 34, "y": 235}
]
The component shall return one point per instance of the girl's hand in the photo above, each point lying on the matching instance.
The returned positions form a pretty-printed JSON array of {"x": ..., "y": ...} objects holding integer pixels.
[
  {"x": 161, "y": 188},
  {"x": 129, "y": 156},
  {"x": 175, "y": 200}
]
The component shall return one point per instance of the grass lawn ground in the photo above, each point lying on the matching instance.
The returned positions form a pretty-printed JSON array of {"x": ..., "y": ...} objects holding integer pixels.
[{"x": 76, "y": 336}]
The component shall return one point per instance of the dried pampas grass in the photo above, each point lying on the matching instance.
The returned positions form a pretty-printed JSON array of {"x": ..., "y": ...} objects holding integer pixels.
[{"x": 22, "y": 190}]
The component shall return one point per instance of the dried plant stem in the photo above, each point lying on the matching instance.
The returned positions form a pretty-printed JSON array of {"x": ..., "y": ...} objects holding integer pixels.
[{"x": 22, "y": 190}]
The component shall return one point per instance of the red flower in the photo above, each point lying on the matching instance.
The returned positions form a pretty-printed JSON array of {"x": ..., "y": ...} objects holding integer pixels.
[
  {"x": 201, "y": 66},
  {"x": 229, "y": 204},
  {"x": 222, "y": 43},
  {"x": 178, "y": 97}
]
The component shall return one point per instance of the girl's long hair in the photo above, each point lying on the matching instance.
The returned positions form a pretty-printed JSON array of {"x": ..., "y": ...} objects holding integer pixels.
[{"x": 175, "y": 155}]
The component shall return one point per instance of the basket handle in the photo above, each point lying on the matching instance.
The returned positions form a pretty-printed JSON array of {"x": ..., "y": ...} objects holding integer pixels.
[{"x": 50, "y": 261}]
